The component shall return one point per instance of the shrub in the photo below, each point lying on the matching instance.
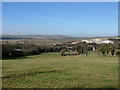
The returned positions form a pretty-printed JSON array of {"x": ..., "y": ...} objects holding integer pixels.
[
  {"x": 34, "y": 52},
  {"x": 6, "y": 50},
  {"x": 79, "y": 50},
  {"x": 106, "y": 48},
  {"x": 17, "y": 54},
  {"x": 62, "y": 52},
  {"x": 117, "y": 53},
  {"x": 112, "y": 52}
]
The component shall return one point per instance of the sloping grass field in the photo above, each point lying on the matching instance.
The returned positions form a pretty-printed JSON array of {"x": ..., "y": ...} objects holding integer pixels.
[{"x": 50, "y": 70}]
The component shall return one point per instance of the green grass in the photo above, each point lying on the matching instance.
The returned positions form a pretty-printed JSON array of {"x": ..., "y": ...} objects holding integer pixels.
[
  {"x": 71, "y": 53},
  {"x": 50, "y": 70}
]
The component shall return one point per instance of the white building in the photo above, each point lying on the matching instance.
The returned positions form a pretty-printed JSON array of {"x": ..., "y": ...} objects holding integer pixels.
[
  {"x": 107, "y": 41},
  {"x": 98, "y": 41}
]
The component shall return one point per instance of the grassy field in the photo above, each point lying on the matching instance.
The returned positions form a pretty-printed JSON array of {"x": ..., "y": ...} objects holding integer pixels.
[{"x": 50, "y": 70}]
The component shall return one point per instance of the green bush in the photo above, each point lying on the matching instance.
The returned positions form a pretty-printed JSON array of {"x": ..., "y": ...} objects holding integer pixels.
[
  {"x": 117, "y": 53},
  {"x": 6, "y": 50},
  {"x": 62, "y": 52}
]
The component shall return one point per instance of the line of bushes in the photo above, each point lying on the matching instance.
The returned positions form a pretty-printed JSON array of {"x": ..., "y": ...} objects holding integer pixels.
[{"x": 18, "y": 50}]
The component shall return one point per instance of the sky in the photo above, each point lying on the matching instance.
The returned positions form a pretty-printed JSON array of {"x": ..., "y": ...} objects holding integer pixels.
[{"x": 60, "y": 18}]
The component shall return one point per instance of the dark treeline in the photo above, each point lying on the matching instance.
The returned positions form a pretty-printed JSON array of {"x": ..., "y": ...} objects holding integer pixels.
[{"x": 17, "y": 50}]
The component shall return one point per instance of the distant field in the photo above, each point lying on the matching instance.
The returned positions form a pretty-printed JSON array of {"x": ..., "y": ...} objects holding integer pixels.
[
  {"x": 50, "y": 70},
  {"x": 37, "y": 42},
  {"x": 47, "y": 40}
]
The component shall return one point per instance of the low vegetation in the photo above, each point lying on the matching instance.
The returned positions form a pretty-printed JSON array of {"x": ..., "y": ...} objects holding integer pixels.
[
  {"x": 17, "y": 50},
  {"x": 50, "y": 70}
]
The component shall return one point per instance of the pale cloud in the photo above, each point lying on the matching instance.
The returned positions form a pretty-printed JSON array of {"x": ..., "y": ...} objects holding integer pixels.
[{"x": 47, "y": 17}]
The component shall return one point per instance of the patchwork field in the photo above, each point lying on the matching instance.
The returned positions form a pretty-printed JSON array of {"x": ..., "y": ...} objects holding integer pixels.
[{"x": 50, "y": 70}]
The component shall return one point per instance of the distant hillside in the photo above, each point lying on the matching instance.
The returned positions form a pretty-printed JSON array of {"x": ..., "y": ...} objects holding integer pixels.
[
  {"x": 48, "y": 37},
  {"x": 35, "y": 37}
]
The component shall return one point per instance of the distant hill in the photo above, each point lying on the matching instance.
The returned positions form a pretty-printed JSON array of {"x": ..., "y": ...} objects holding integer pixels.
[
  {"x": 35, "y": 37},
  {"x": 48, "y": 37}
]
